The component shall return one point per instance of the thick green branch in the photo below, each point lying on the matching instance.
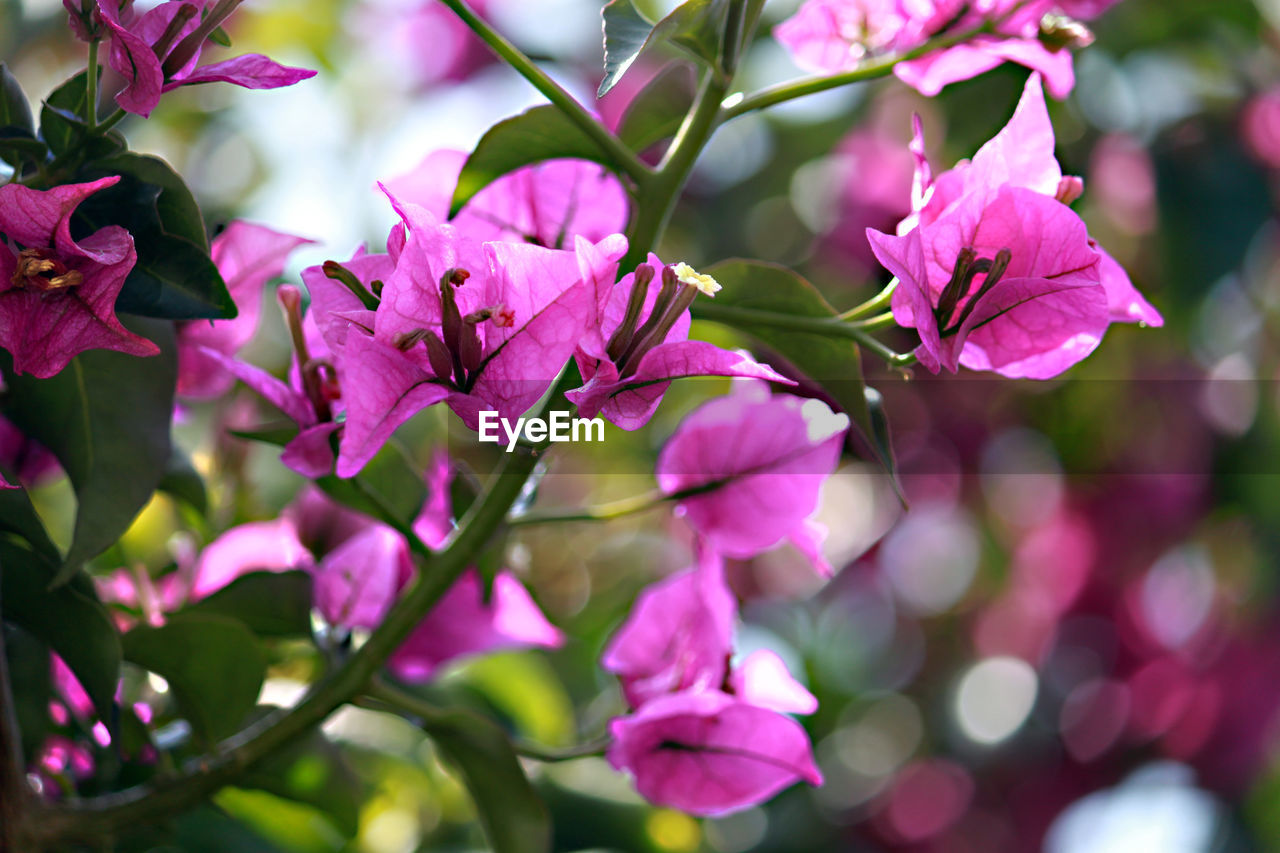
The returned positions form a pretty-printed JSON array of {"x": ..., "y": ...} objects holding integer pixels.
[
  {"x": 102, "y": 817},
  {"x": 554, "y": 93}
]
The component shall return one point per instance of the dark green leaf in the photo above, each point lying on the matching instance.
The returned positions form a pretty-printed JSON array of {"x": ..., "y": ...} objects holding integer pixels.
[
  {"x": 271, "y": 604},
  {"x": 15, "y": 111},
  {"x": 834, "y": 363},
  {"x": 657, "y": 111},
  {"x": 695, "y": 26},
  {"x": 68, "y": 619},
  {"x": 277, "y": 434},
  {"x": 174, "y": 276},
  {"x": 184, "y": 482},
  {"x": 514, "y": 817},
  {"x": 62, "y": 123},
  {"x": 17, "y": 146},
  {"x": 106, "y": 417},
  {"x": 390, "y": 488},
  {"x": 31, "y": 681},
  {"x": 17, "y": 515},
  {"x": 213, "y": 664},
  {"x": 625, "y": 33},
  {"x": 541, "y": 133}
]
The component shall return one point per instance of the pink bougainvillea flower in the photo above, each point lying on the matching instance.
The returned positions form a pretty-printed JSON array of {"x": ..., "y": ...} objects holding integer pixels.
[
  {"x": 395, "y": 31},
  {"x": 357, "y": 581},
  {"x": 309, "y": 397},
  {"x": 709, "y": 753},
  {"x": 159, "y": 50},
  {"x": 830, "y": 36},
  {"x": 679, "y": 635},
  {"x": 641, "y": 343},
  {"x": 763, "y": 680},
  {"x": 271, "y": 546},
  {"x": 1012, "y": 285},
  {"x": 964, "y": 287},
  {"x": 749, "y": 467},
  {"x": 548, "y": 204},
  {"x": 482, "y": 327},
  {"x": 248, "y": 256},
  {"x": 57, "y": 295}
]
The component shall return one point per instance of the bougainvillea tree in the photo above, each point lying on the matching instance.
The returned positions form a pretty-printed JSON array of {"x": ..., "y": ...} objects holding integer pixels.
[{"x": 523, "y": 287}]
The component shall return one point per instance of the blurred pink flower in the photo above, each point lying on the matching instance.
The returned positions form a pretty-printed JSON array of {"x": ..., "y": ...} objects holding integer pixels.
[
  {"x": 709, "y": 753},
  {"x": 271, "y": 546},
  {"x": 1260, "y": 127},
  {"x": 1122, "y": 179},
  {"x": 26, "y": 458},
  {"x": 546, "y": 204},
  {"x": 248, "y": 256},
  {"x": 751, "y": 466},
  {"x": 159, "y": 50},
  {"x": 57, "y": 294},
  {"x": 424, "y": 39},
  {"x": 640, "y": 343}
]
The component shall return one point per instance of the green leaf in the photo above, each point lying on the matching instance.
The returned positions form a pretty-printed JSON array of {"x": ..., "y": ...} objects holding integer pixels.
[
  {"x": 834, "y": 363},
  {"x": 62, "y": 124},
  {"x": 695, "y": 26},
  {"x": 31, "y": 681},
  {"x": 18, "y": 515},
  {"x": 277, "y": 434},
  {"x": 174, "y": 276},
  {"x": 18, "y": 146},
  {"x": 541, "y": 133},
  {"x": 513, "y": 816},
  {"x": 213, "y": 664},
  {"x": 15, "y": 111},
  {"x": 390, "y": 488},
  {"x": 658, "y": 110},
  {"x": 625, "y": 34},
  {"x": 184, "y": 482},
  {"x": 219, "y": 37},
  {"x": 69, "y": 619},
  {"x": 106, "y": 417},
  {"x": 271, "y": 604}
]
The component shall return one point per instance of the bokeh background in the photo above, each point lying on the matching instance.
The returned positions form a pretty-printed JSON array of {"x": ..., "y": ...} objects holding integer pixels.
[{"x": 1069, "y": 642}]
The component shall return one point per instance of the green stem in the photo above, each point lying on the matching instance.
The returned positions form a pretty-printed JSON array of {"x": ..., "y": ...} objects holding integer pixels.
[
  {"x": 95, "y": 817},
  {"x": 599, "y": 512},
  {"x": 879, "y": 301},
  {"x": 880, "y": 321},
  {"x": 831, "y": 327},
  {"x": 91, "y": 87},
  {"x": 575, "y": 112},
  {"x": 869, "y": 70}
]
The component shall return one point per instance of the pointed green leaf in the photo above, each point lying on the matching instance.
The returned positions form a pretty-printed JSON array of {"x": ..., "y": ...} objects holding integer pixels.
[
  {"x": 513, "y": 816},
  {"x": 695, "y": 26},
  {"x": 271, "y": 604},
  {"x": 538, "y": 134},
  {"x": 69, "y": 619},
  {"x": 174, "y": 276},
  {"x": 625, "y": 34},
  {"x": 106, "y": 417},
  {"x": 62, "y": 124},
  {"x": 17, "y": 515},
  {"x": 15, "y": 111},
  {"x": 213, "y": 664},
  {"x": 833, "y": 363}
]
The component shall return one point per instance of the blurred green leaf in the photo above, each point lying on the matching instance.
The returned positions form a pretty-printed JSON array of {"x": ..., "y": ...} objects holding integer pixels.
[
  {"x": 391, "y": 488},
  {"x": 15, "y": 111},
  {"x": 106, "y": 417},
  {"x": 658, "y": 110},
  {"x": 174, "y": 276},
  {"x": 834, "y": 363},
  {"x": 271, "y": 604},
  {"x": 277, "y": 434},
  {"x": 292, "y": 825},
  {"x": 31, "y": 681},
  {"x": 17, "y": 146},
  {"x": 538, "y": 134},
  {"x": 69, "y": 619},
  {"x": 213, "y": 664},
  {"x": 18, "y": 515},
  {"x": 695, "y": 26},
  {"x": 219, "y": 37},
  {"x": 313, "y": 770},
  {"x": 184, "y": 482},
  {"x": 514, "y": 817}
]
